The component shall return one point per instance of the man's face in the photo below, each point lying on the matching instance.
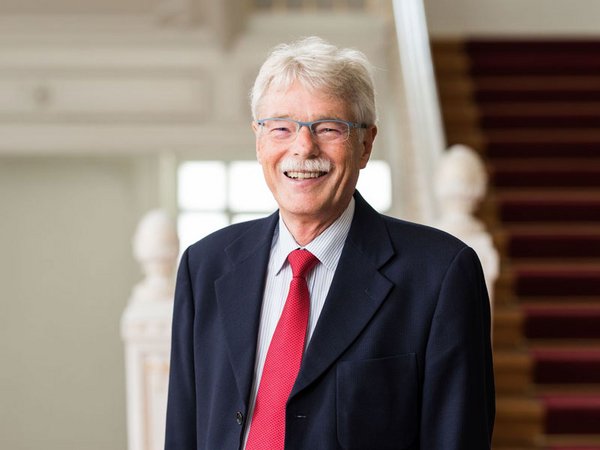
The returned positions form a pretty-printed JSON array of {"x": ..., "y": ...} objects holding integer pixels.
[{"x": 313, "y": 196}]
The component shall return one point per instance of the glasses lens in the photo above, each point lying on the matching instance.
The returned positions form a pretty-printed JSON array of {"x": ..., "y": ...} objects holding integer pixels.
[
  {"x": 283, "y": 130},
  {"x": 331, "y": 131},
  {"x": 280, "y": 130}
]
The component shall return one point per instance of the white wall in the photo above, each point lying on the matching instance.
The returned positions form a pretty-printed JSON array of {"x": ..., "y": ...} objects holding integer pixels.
[
  {"x": 520, "y": 17},
  {"x": 66, "y": 272}
]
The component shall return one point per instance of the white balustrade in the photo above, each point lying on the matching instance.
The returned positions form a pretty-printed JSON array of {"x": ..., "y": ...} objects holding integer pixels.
[
  {"x": 460, "y": 184},
  {"x": 146, "y": 331}
]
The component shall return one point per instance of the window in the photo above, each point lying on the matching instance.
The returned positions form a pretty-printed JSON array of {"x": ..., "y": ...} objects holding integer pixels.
[{"x": 213, "y": 194}]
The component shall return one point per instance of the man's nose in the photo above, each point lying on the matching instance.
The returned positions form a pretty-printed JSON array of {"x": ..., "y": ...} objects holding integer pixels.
[{"x": 304, "y": 144}]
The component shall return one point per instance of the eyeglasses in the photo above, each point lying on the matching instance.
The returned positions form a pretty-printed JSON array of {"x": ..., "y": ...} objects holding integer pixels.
[{"x": 328, "y": 131}]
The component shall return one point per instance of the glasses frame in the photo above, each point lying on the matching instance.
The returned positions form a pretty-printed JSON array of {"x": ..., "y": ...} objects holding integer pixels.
[{"x": 309, "y": 125}]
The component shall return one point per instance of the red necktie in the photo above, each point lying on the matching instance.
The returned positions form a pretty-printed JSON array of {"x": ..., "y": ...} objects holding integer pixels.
[{"x": 267, "y": 430}]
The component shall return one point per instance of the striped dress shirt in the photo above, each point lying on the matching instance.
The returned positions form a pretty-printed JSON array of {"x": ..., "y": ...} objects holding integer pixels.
[{"x": 327, "y": 247}]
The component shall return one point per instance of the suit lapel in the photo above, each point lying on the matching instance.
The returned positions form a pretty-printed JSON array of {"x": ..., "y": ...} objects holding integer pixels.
[
  {"x": 357, "y": 291},
  {"x": 239, "y": 297}
]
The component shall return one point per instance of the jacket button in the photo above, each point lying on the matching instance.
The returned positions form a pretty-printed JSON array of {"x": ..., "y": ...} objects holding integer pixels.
[{"x": 239, "y": 417}]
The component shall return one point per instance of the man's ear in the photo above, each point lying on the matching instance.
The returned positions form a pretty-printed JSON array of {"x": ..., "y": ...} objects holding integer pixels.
[{"x": 367, "y": 145}]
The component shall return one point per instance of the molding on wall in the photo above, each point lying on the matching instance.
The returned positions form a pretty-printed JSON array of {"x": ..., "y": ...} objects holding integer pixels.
[
  {"x": 211, "y": 141},
  {"x": 515, "y": 18},
  {"x": 128, "y": 86}
]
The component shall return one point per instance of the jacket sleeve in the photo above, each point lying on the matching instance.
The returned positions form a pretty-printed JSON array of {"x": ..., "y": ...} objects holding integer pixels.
[
  {"x": 181, "y": 404},
  {"x": 458, "y": 406}
]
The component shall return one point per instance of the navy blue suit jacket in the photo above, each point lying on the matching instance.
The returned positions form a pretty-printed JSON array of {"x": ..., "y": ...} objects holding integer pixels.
[{"x": 400, "y": 357}]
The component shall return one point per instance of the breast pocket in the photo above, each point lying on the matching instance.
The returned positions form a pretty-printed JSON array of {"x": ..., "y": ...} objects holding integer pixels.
[{"x": 377, "y": 403}]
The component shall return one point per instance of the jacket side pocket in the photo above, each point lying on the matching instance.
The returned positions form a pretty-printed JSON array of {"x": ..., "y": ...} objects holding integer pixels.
[{"x": 377, "y": 403}]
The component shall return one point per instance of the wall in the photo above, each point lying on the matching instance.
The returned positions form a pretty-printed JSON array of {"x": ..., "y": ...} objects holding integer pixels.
[
  {"x": 529, "y": 17},
  {"x": 66, "y": 273}
]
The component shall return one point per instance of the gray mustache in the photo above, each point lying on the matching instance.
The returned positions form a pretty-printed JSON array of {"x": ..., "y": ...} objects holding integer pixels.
[{"x": 306, "y": 165}]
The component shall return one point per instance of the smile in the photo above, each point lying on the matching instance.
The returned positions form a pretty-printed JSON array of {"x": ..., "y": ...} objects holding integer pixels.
[{"x": 303, "y": 175}]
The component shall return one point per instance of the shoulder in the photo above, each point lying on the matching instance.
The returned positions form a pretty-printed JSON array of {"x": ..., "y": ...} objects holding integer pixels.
[
  {"x": 425, "y": 243},
  {"x": 406, "y": 243},
  {"x": 424, "y": 236},
  {"x": 431, "y": 257}
]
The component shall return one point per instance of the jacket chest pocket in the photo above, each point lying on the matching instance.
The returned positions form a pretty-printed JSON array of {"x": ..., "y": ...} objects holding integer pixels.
[{"x": 377, "y": 403}]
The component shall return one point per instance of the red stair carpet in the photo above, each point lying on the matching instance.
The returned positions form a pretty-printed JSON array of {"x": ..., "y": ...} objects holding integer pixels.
[{"x": 539, "y": 113}]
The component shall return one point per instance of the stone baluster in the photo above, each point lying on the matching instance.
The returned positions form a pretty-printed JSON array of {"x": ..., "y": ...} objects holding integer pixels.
[
  {"x": 146, "y": 331},
  {"x": 460, "y": 184}
]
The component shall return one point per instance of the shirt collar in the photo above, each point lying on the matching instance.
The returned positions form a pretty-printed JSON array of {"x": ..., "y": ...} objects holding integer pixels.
[{"x": 327, "y": 246}]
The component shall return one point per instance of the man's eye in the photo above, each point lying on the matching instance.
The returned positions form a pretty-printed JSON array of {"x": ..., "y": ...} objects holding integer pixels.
[
  {"x": 328, "y": 130},
  {"x": 280, "y": 130}
]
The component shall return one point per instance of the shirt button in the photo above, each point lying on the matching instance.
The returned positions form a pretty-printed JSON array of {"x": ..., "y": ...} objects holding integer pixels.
[{"x": 239, "y": 417}]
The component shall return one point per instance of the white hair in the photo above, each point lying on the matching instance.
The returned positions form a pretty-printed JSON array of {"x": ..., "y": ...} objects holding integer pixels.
[{"x": 317, "y": 65}]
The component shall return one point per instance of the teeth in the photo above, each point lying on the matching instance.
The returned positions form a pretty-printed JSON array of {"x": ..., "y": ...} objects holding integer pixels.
[{"x": 304, "y": 175}]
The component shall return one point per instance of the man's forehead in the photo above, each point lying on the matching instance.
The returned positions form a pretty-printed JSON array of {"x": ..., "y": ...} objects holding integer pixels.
[{"x": 299, "y": 100}]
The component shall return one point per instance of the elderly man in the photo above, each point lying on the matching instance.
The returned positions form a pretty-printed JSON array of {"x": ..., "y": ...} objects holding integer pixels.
[{"x": 327, "y": 325}]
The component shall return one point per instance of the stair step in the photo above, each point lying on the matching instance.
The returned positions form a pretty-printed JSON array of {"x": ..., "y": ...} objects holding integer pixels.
[
  {"x": 513, "y": 372},
  {"x": 508, "y": 328},
  {"x": 456, "y": 88},
  {"x": 525, "y": 65},
  {"x": 548, "y": 206},
  {"x": 561, "y": 321},
  {"x": 551, "y": 280},
  {"x": 450, "y": 64},
  {"x": 534, "y": 135},
  {"x": 542, "y": 173},
  {"x": 566, "y": 365},
  {"x": 519, "y": 447},
  {"x": 560, "y": 242},
  {"x": 509, "y": 89},
  {"x": 519, "y": 421},
  {"x": 572, "y": 442},
  {"x": 440, "y": 47},
  {"x": 535, "y": 46},
  {"x": 486, "y": 96},
  {"x": 546, "y": 83},
  {"x": 460, "y": 113},
  {"x": 539, "y": 115},
  {"x": 573, "y": 447},
  {"x": 449, "y": 59},
  {"x": 533, "y": 57},
  {"x": 560, "y": 300},
  {"x": 511, "y": 147},
  {"x": 571, "y": 414}
]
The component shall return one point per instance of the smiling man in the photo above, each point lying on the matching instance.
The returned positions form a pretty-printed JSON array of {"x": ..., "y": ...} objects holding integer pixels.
[
  {"x": 327, "y": 325},
  {"x": 310, "y": 167}
]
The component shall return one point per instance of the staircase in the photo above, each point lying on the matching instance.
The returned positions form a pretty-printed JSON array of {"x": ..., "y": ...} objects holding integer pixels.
[{"x": 532, "y": 108}]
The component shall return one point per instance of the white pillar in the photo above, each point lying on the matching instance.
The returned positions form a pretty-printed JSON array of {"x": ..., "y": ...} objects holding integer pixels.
[
  {"x": 146, "y": 331},
  {"x": 420, "y": 100}
]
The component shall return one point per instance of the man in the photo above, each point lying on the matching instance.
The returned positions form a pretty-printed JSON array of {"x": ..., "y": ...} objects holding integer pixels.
[{"x": 383, "y": 341}]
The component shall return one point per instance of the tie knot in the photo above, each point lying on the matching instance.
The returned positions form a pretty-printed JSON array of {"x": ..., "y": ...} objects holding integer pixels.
[{"x": 302, "y": 261}]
